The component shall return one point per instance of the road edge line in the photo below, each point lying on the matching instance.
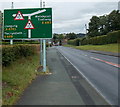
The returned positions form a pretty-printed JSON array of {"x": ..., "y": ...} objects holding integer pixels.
[{"x": 87, "y": 79}]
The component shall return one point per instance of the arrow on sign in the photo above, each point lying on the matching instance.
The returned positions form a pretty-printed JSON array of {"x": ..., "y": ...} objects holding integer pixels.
[{"x": 34, "y": 13}]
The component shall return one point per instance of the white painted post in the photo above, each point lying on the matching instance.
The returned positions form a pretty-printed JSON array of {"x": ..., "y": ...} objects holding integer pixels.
[
  {"x": 29, "y": 30},
  {"x": 29, "y": 33},
  {"x": 11, "y": 42},
  {"x": 44, "y": 55}
]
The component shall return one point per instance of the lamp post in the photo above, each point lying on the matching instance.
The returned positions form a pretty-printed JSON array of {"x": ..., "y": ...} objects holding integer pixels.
[{"x": 85, "y": 29}]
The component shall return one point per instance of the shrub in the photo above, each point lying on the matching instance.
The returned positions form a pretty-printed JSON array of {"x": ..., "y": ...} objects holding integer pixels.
[
  {"x": 13, "y": 53},
  {"x": 112, "y": 37},
  {"x": 71, "y": 42}
]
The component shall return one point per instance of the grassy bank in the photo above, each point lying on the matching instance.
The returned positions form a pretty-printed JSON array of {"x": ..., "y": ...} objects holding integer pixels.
[
  {"x": 17, "y": 76},
  {"x": 106, "y": 48}
]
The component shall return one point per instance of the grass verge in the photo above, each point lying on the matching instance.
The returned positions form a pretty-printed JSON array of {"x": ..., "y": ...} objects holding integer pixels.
[
  {"x": 106, "y": 48},
  {"x": 17, "y": 76}
]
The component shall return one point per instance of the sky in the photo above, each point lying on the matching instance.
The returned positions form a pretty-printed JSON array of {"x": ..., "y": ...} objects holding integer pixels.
[{"x": 68, "y": 15}]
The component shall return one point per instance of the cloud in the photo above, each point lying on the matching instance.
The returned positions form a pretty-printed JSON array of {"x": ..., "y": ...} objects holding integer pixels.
[
  {"x": 72, "y": 17},
  {"x": 68, "y": 16},
  {"x": 81, "y": 0}
]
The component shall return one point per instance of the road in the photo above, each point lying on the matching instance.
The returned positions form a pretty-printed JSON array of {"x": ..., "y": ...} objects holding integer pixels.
[
  {"x": 101, "y": 71},
  {"x": 64, "y": 85}
]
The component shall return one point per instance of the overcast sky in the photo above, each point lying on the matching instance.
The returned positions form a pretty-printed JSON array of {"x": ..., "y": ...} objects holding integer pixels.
[{"x": 68, "y": 15}]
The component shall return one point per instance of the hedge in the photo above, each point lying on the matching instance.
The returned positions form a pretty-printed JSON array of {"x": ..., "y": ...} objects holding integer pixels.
[
  {"x": 20, "y": 42},
  {"x": 112, "y": 37},
  {"x": 12, "y": 53}
]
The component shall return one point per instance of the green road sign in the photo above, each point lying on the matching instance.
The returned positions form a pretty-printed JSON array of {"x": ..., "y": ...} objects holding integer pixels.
[{"x": 35, "y": 23}]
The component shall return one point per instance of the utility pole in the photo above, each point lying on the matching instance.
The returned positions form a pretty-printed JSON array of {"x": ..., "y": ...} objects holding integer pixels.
[{"x": 86, "y": 30}]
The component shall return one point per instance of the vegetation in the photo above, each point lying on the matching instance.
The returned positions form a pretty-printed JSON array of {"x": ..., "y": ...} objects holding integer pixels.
[
  {"x": 17, "y": 75},
  {"x": 112, "y": 37},
  {"x": 12, "y": 53},
  {"x": 106, "y": 48},
  {"x": 7, "y": 42},
  {"x": 103, "y": 24},
  {"x": 57, "y": 38},
  {"x": 70, "y": 36}
]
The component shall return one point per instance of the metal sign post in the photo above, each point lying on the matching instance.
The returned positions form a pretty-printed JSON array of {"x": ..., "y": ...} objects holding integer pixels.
[
  {"x": 41, "y": 44},
  {"x": 41, "y": 52},
  {"x": 44, "y": 50},
  {"x": 44, "y": 55}
]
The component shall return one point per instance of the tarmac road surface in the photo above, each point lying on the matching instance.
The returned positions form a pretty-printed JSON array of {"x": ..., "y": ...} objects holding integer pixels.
[{"x": 101, "y": 71}]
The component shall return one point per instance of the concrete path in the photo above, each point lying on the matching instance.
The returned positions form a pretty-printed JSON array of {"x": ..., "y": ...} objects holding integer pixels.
[{"x": 65, "y": 86}]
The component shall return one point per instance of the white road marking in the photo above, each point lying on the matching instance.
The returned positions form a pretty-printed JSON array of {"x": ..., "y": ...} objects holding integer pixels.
[{"x": 99, "y": 92}]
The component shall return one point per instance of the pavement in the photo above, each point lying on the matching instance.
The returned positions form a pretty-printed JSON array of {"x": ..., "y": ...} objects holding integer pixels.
[{"x": 65, "y": 86}]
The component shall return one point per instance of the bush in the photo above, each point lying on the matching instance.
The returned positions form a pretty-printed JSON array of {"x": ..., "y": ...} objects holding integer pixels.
[
  {"x": 71, "y": 42},
  {"x": 112, "y": 37},
  {"x": 21, "y": 42},
  {"x": 10, "y": 54}
]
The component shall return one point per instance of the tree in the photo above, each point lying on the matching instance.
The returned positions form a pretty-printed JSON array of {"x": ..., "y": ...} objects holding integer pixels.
[
  {"x": 60, "y": 36},
  {"x": 71, "y": 36},
  {"x": 55, "y": 38},
  {"x": 94, "y": 26},
  {"x": 114, "y": 20},
  {"x": 104, "y": 24}
]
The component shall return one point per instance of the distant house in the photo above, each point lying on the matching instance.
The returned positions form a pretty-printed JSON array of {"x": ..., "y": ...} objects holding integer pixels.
[{"x": 80, "y": 35}]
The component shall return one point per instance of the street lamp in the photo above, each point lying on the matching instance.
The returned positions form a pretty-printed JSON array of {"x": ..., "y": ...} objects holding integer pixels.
[{"x": 86, "y": 29}]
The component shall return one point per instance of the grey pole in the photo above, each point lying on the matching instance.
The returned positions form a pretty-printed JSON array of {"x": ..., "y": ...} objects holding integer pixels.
[
  {"x": 41, "y": 44},
  {"x": 41, "y": 52},
  {"x": 11, "y": 41},
  {"x": 86, "y": 30},
  {"x": 44, "y": 55},
  {"x": 44, "y": 50},
  {"x": 12, "y": 6},
  {"x": 41, "y": 3}
]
